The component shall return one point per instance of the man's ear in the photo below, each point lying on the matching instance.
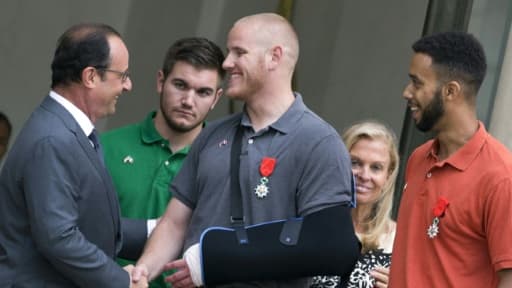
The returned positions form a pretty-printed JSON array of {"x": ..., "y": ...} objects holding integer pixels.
[
  {"x": 276, "y": 55},
  {"x": 89, "y": 75},
  {"x": 160, "y": 79},
  {"x": 452, "y": 90},
  {"x": 218, "y": 94}
]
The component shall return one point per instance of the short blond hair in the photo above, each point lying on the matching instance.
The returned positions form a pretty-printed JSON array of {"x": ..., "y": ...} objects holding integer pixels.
[{"x": 278, "y": 31}]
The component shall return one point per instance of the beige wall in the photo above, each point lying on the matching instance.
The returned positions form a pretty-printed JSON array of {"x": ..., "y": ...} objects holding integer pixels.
[
  {"x": 355, "y": 58},
  {"x": 28, "y": 33},
  {"x": 501, "y": 121},
  {"x": 353, "y": 65}
]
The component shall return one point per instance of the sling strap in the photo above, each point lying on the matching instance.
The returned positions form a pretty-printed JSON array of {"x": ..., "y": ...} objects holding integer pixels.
[{"x": 237, "y": 214}]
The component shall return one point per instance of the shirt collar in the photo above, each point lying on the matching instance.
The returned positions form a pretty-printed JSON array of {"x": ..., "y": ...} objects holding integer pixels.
[
  {"x": 463, "y": 157},
  {"x": 288, "y": 120},
  {"x": 150, "y": 135},
  {"x": 83, "y": 121},
  {"x": 148, "y": 132}
]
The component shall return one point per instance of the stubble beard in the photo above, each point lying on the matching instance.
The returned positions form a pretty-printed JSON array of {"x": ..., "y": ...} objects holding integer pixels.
[{"x": 173, "y": 125}]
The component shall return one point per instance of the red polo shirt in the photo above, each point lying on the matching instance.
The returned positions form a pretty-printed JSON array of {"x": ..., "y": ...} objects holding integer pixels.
[{"x": 475, "y": 234}]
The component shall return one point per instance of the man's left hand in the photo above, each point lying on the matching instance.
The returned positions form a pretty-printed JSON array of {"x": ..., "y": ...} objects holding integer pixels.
[{"x": 181, "y": 278}]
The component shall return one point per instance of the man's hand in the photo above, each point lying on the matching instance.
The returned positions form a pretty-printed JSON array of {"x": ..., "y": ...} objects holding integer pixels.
[
  {"x": 181, "y": 278},
  {"x": 142, "y": 281}
]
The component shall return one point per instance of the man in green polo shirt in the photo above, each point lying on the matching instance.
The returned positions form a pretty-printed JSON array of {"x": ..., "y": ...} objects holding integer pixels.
[{"x": 143, "y": 158}]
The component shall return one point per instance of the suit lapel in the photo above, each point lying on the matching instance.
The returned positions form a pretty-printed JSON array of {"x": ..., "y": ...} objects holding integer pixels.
[
  {"x": 53, "y": 106},
  {"x": 107, "y": 180}
]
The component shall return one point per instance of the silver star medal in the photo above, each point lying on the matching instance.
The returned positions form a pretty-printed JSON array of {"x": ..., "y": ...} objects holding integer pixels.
[
  {"x": 261, "y": 190},
  {"x": 433, "y": 229}
]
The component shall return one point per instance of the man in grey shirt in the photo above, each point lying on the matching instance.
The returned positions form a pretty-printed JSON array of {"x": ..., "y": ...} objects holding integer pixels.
[{"x": 310, "y": 167}]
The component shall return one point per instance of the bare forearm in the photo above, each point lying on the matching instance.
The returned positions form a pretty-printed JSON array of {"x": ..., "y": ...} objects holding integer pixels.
[{"x": 166, "y": 241}]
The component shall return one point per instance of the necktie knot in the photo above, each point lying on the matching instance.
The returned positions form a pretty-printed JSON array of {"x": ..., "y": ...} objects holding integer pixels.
[{"x": 94, "y": 139}]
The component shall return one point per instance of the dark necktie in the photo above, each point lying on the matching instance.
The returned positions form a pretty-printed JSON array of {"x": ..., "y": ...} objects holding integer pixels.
[{"x": 95, "y": 141}]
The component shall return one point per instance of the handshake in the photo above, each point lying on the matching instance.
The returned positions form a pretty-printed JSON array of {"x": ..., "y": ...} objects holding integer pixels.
[
  {"x": 142, "y": 281},
  {"x": 188, "y": 271}
]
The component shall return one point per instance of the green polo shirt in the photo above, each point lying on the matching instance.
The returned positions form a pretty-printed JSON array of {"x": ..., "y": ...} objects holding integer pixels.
[{"x": 142, "y": 165}]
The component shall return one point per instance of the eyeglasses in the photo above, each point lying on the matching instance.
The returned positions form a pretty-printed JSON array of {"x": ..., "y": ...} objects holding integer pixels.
[{"x": 124, "y": 75}]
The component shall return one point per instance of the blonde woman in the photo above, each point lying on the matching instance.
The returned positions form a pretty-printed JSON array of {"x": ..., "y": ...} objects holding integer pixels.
[{"x": 373, "y": 151}]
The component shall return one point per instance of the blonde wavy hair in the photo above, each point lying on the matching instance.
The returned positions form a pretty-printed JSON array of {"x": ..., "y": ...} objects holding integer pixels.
[{"x": 379, "y": 221}]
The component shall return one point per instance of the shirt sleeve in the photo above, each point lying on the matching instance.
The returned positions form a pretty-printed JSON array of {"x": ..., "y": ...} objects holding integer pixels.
[
  {"x": 183, "y": 186},
  {"x": 327, "y": 177},
  {"x": 498, "y": 224}
]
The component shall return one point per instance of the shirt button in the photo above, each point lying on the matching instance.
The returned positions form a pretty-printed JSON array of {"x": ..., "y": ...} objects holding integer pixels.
[
  {"x": 166, "y": 163},
  {"x": 429, "y": 175},
  {"x": 250, "y": 141}
]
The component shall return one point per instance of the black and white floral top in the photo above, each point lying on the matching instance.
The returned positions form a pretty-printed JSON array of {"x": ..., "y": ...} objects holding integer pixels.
[{"x": 360, "y": 276}]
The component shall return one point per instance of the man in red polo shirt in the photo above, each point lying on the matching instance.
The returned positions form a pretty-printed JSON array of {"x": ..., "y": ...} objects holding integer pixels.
[{"x": 455, "y": 219}]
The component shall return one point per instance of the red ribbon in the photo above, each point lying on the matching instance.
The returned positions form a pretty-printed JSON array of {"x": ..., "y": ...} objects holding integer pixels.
[
  {"x": 441, "y": 205},
  {"x": 267, "y": 166}
]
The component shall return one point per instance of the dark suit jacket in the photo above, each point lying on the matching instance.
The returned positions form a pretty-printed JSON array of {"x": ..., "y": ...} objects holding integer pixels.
[{"x": 59, "y": 213}]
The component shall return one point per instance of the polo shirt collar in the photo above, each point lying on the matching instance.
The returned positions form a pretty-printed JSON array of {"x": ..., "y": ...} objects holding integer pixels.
[
  {"x": 288, "y": 120},
  {"x": 463, "y": 157},
  {"x": 150, "y": 135},
  {"x": 148, "y": 131}
]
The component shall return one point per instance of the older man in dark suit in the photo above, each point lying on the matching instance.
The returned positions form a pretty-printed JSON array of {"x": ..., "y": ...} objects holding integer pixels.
[{"x": 59, "y": 215}]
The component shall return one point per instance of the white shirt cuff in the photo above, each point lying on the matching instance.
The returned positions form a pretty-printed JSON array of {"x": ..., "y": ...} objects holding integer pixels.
[{"x": 151, "y": 224}]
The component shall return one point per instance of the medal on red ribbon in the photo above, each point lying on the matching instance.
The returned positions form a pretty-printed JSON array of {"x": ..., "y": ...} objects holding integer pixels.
[
  {"x": 438, "y": 210},
  {"x": 266, "y": 168}
]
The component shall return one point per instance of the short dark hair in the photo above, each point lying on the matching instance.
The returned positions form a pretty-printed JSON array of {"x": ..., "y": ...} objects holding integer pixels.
[
  {"x": 455, "y": 56},
  {"x": 83, "y": 45},
  {"x": 3, "y": 118},
  {"x": 196, "y": 51}
]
